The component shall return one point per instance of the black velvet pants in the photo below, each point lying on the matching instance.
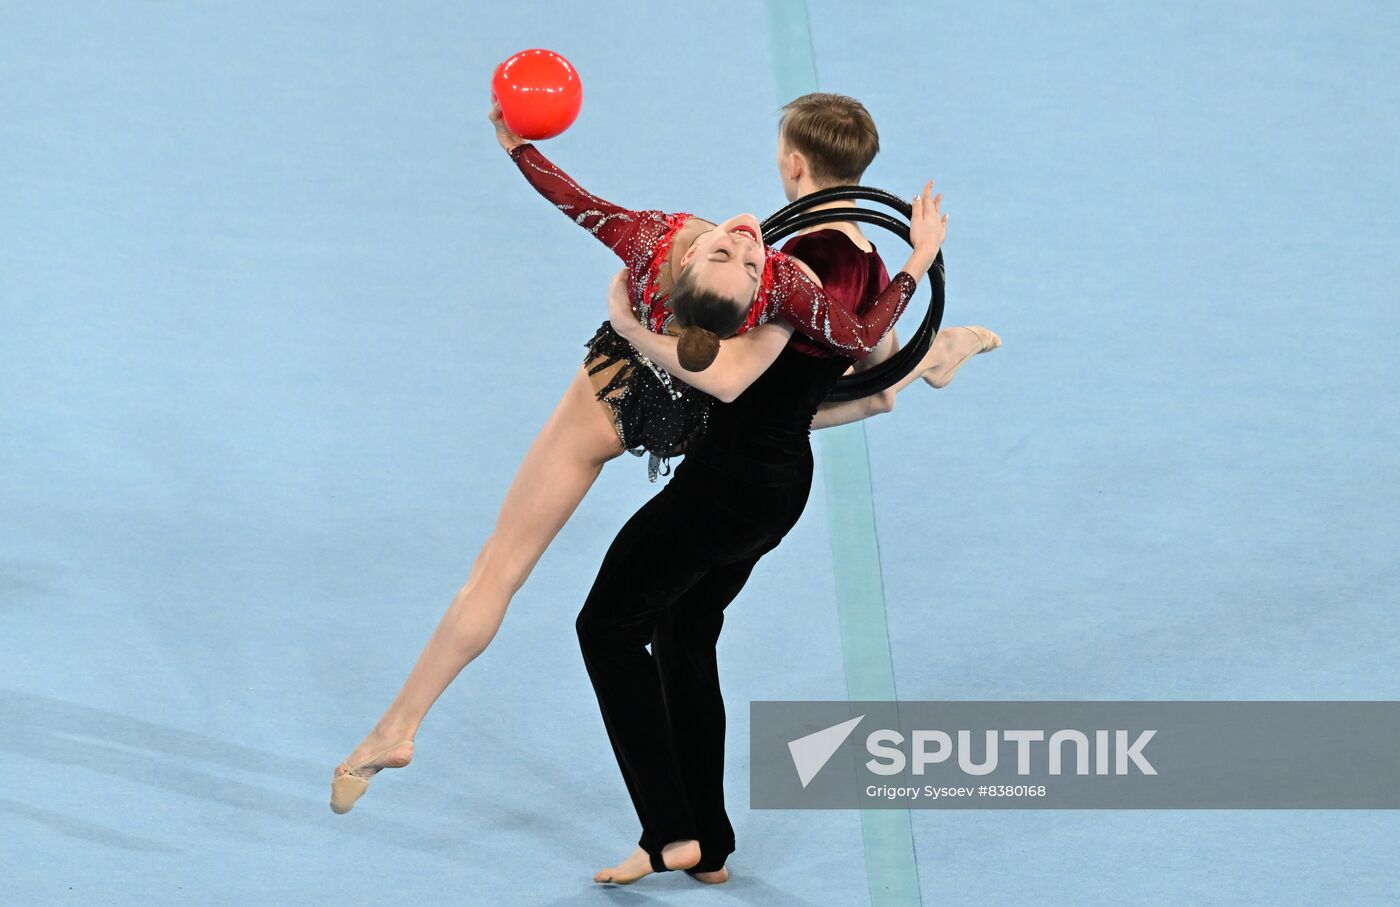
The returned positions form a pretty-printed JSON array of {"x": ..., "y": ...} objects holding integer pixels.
[{"x": 665, "y": 582}]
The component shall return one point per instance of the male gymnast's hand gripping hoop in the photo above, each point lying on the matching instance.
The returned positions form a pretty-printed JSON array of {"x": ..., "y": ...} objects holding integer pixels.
[{"x": 791, "y": 219}]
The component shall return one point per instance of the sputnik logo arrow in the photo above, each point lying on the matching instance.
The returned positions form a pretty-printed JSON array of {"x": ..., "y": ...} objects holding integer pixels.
[{"x": 811, "y": 753}]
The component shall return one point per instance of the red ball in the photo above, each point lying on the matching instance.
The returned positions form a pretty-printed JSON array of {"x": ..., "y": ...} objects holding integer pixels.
[{"x": 539, "y": 92}]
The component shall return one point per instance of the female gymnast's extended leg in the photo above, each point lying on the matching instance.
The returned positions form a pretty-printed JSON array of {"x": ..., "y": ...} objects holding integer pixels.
[{"x": 559, "y": 468}]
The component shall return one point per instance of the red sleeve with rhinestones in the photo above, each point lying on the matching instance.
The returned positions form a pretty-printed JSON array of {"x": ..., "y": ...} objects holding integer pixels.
[
  {"x": 803, "y": 304},
  {"x": 622, "y": 230}
]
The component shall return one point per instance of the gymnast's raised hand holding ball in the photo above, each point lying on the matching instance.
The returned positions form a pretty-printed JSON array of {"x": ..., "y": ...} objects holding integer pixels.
[{"x": 508, "y": 139}]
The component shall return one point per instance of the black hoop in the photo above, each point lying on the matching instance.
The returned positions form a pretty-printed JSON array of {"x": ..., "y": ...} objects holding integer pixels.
[{"x": 792, "y": 218}]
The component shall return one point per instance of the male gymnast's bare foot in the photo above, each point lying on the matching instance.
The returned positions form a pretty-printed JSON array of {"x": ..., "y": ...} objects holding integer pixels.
[
  {"x": 951, "y": 348},
  {"x": 717, "y": 877},
  {"x": 676, "y": 855}
]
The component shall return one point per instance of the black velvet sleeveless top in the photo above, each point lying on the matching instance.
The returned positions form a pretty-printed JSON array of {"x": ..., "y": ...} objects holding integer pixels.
[{"x": 771, "y": 421}]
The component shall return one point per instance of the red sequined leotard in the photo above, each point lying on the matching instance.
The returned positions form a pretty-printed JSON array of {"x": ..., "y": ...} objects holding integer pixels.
[{"x": 642, "y": 239}]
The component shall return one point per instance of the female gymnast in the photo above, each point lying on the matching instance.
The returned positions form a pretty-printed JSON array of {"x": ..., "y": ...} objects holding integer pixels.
[{"x": 703, "y": 280}]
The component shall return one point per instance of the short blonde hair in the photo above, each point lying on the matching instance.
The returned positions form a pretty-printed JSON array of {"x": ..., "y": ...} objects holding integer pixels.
[{"x": 835, "y": 133}]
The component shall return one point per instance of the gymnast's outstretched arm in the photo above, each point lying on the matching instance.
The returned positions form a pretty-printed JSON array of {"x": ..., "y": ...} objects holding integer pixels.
[
  {"x": 847, "y": 411},
  {"x": 620, "y": 229},
  {"x": 832, "y": 414},
  {"x": 740, "y": 360}
]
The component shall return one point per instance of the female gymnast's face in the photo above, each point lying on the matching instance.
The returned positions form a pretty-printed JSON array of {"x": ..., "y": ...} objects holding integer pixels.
[{"x": 728, "y": 259}]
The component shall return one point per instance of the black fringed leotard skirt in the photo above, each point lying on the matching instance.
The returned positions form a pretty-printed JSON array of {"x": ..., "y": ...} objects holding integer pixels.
[{"x": 654, "y": 413}]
